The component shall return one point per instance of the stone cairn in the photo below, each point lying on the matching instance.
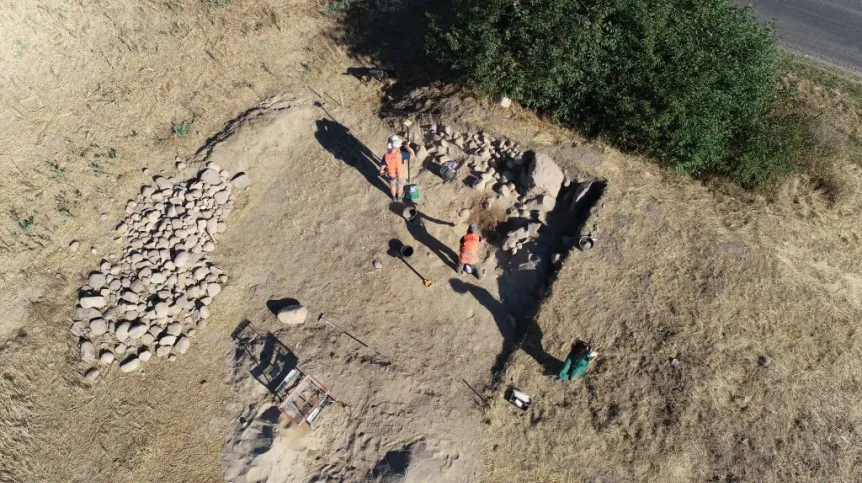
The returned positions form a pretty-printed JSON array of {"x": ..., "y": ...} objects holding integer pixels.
[{"x": 154, "y": 299}]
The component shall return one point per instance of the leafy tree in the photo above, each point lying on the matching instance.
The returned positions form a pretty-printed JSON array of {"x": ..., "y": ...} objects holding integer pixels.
[{"x": 690, "y": 82}]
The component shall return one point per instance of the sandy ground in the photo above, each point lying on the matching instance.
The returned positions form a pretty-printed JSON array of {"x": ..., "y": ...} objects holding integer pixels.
[{"x": 709, "y": 277}]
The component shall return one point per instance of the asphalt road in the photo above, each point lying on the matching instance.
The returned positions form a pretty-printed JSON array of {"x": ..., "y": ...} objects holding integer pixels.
[{"x": 828, "y": 29}]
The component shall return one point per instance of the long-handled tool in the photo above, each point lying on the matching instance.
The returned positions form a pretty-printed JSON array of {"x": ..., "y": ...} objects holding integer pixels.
[
  {"x": 322, "y": 318},
  {"x": 405, "y": 252}
]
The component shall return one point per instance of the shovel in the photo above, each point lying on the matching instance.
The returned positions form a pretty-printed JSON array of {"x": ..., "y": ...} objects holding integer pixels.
[{"x": 405, "y": 252}]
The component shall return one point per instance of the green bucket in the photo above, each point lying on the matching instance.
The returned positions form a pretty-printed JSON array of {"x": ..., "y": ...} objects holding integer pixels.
[{"x": 412, "y": 192}]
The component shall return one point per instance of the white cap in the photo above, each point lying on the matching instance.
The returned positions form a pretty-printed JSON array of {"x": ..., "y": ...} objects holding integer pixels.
[{"x": 395, "y": 141}]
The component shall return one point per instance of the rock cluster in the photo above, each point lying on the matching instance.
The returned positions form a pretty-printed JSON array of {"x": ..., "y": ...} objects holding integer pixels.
[
  {"x": 154, "y": 299},
  {"x": 529, "y": 182}
]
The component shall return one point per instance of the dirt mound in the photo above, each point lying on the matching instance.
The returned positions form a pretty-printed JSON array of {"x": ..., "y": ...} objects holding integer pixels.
[{"x": 261, "y": 448}]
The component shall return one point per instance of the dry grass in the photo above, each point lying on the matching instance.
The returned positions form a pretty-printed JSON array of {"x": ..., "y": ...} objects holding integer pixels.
[
  {"x": 91, "y": 93},
  {"x": 716, "y": 279}
]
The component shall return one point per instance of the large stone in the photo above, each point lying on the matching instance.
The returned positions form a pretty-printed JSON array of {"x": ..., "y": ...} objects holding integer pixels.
[
  {"x": 221, "y": 197},
  {"x": 93, "y": 301},
  {"x": 213, "y": 289},
  {"x": 164, "y": 351},
  {"x": 200, "y": 273},
  {"x": 122, "y": 331},
  {"x": 182, "y": 345},
  {"x": 241, "y": 181},
  {"x": 181, "y": 258},
  {"x": 210, "y": 177},
  {"x": 130, "y": 364},
  {"x": 168, "y": 340},
  {"x": 543, "y": 177},
  {"x": 163, "y": 183},
  {"x": 107, "y": 357},
  {"x": 293, "y": 314},
  {"x": 87, "y": 314},
  {"x": 93, "y": 374},
  {"x": 138, "y": 330},
  {"x": 96, "y": 280},
  {"x": 162, "y": 309},
  {"x": 88, "y": 351},
  {"x": 174, "y": 328},
  {"x": 98, "y": 327}
]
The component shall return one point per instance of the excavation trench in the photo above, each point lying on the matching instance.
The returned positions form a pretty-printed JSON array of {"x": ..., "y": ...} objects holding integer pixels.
[{"x": 413, "y": 359}]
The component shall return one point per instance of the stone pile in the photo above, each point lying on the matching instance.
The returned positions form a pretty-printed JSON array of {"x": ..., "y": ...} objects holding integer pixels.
[
  {"x": 158, "y": 294},
  {"x": 529, "y": 182}
]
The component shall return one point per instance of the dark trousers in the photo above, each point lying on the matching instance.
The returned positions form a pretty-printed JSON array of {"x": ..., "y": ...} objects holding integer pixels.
[{"x": 477, "y": 269}]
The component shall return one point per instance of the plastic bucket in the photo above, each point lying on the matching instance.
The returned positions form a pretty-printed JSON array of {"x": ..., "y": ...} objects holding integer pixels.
[
  {"x": 409, "y": 213},
  {"x": 585, "y": 243},
  {"x": 406, "y": 252},
  {"x": 447, "y": 173},
  {"x": 412, "y": 192}
]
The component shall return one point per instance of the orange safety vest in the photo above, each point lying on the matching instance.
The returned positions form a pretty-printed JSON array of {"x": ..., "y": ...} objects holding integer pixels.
[
  {"x": 395, "y": 167},
  {"x": 469, "y": 249}
]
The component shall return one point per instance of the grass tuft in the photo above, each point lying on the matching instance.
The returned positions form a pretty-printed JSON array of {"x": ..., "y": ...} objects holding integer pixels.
[
  {"x": 24, "y": 224},
  {"x": 181, "y": 129}
]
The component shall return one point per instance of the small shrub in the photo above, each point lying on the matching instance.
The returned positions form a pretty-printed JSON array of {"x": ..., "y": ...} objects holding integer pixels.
[
  {"x": 217, "y": 3},
  {"x": 24, "y": 224},
  {"x": 335, "y": 7},
  {"x": 181, "y": 129},
  {"x": 97, "y": 169},
  {"x": 57, "y": 172}
]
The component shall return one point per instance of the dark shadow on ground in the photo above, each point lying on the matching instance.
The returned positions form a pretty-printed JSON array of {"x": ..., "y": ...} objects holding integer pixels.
[
  {"x": 337, "y": 139},
  {"x": 513, "y": 337},
  {"x": 420, "y": 233},
  {"x": 275, "y": 305},
  {"x": 395, "y": 246},
  {"x": 526, "y": 276},
  {"x": 270, "y": 359},
  {"x": 394, "y": 465},
  {"x": 391, "y": 33}
]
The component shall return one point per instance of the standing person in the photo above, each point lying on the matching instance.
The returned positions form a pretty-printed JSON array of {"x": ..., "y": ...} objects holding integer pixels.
[
  {"x": 394, "y": 165},
  {"x": 469, "y": 256},
  {"x": 577, "y": 362}
]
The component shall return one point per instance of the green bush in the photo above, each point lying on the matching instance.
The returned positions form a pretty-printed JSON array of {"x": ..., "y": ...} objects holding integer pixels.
[{"x": 690, "y": 83}]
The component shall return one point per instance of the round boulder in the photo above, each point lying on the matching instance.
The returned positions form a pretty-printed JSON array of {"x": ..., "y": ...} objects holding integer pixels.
[{"x": 293, "y": 314}]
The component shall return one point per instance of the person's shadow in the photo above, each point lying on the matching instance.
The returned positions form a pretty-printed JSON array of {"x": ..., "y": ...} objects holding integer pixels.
[
  {"x": 338, "y": 140},
  {"x": 529, "y": 337},
  {"x": 419, "y": 232}
]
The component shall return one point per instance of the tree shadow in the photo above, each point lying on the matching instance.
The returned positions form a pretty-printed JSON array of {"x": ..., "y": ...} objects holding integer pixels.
[
  {"x": 420, "y": 233},
  {"x": 392, "y": 34},
  {"x": 337, "y": 139},
  {"x": 271, "y": 360},
  {"x": 515, "y": 335}
]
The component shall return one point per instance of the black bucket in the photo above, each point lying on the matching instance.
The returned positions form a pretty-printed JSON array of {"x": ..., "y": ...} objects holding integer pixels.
[{"x": 406, "y": 252}]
